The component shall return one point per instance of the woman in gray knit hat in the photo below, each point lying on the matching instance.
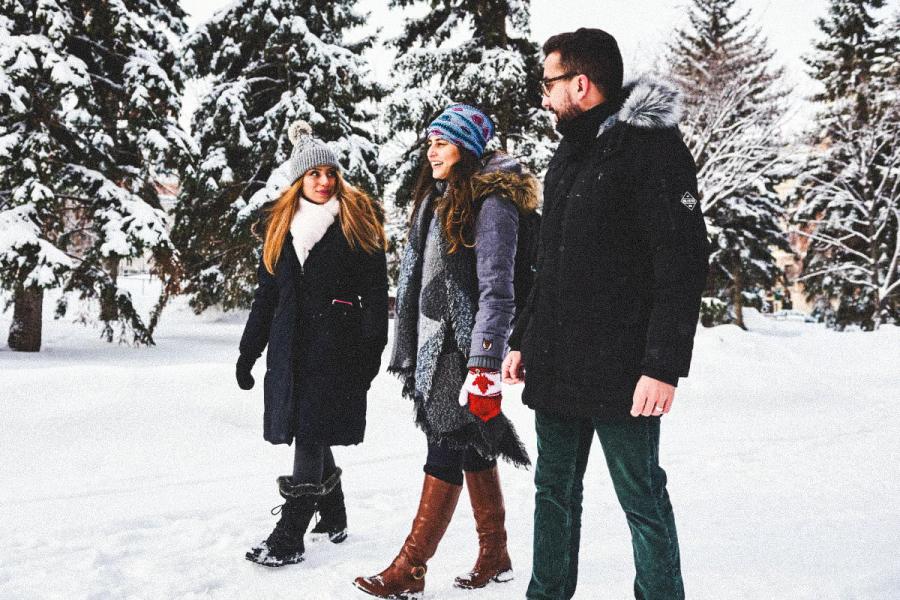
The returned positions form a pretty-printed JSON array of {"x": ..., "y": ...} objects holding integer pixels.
[
  {"x": 321, "y": 308},
  {"x": 455, "y": 303}
]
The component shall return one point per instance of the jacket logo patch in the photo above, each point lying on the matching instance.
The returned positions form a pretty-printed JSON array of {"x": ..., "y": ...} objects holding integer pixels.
[
  {"x": 486, "y": 344},
  {"x": 689, "y": 201}
]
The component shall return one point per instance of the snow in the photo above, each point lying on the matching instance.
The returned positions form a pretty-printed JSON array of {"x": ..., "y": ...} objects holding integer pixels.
[
  {"x": 70, "y": 71},
  {"x": 24, "y": 61},
  {"x": 20, "y": 235},
  {"x": 142, "y": 473},
  {"x": 215, "y": 160},
  {"x": 129, "y": 224},
  {"x": 501, "y": 66},
  {"x": 8, "y": 142},
  {"x": 280, "y": 180},
  {"x": 155, "y": 140}
]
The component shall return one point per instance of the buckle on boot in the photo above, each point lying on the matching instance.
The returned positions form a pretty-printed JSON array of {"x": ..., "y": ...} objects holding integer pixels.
[{"x": 418, "y": 573}]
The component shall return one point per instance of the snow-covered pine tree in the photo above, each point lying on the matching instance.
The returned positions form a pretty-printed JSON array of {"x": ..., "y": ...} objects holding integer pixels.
[
  {"x": 88, "y": 129},
  {"x": 848, "y": 54},
  {"x": 849, "y": 192},
  {"x": 734, "y": 100},
  {"x": 473, "y": 51},
  {"x": 266, "y": 64}
]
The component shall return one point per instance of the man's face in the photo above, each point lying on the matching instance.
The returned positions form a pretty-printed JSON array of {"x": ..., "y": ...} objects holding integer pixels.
[{"x": 557, "y": 93}]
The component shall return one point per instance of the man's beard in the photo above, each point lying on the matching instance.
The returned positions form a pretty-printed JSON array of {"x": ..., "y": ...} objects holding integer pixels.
[{"x": 568, "y": 111}]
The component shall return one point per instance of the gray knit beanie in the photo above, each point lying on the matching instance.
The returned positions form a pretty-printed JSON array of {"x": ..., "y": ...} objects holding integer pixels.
[{"x": 308, "y": 151}]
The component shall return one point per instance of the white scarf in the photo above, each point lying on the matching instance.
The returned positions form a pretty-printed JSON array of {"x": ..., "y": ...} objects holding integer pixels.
[{"x": 310, "y": 223}]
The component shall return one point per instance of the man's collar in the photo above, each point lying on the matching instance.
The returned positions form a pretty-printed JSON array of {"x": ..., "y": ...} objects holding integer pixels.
[{"x": 583, "y": 128}]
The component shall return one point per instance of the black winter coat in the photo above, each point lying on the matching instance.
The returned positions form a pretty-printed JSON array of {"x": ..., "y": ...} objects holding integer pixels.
[
  {"x": 322, "y": 354},
  {"x": 622, "y": 261}
]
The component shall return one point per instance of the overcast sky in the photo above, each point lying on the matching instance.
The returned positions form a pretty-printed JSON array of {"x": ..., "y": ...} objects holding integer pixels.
[{"x": 642, "y": 28}]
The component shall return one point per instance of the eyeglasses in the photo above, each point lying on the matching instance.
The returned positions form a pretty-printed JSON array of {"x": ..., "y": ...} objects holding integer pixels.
[{"x": 547, "y": 82}]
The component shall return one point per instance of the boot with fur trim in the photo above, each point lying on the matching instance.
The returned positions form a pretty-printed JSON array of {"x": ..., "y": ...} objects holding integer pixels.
[
  {"x": 332, "y": 512},
  {"x": 284, "y": 546}
]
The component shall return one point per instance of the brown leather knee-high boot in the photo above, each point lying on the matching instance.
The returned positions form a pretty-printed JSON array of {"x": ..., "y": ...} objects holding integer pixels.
[
  {"x": 493, "y": 563},
  {"x": 405, "y": 577}
]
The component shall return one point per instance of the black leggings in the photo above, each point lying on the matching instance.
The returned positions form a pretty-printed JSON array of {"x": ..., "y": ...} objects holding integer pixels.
[
  {"x": 312, "y": 462},
  {"x": 448, "y": 464}
]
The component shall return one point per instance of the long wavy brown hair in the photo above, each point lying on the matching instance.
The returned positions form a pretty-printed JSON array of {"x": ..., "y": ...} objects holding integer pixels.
[
  {"x": 361, "y": 218},
  {"x": 456, "y": 208}
]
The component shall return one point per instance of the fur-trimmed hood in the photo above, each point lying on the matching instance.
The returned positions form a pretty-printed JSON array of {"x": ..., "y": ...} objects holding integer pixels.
[
  {"x": 648, "y": 103},
  {"x": 504, "y": 176}
]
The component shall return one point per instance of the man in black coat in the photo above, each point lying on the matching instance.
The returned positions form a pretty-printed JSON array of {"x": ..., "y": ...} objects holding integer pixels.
[{"x": 608, "y": 329}]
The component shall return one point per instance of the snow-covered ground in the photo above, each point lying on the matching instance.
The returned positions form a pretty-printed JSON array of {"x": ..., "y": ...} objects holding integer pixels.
[{"x": 142, "y": 473}]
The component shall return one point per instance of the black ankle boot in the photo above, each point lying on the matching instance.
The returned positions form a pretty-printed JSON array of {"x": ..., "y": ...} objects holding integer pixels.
[
  {"x": 332, "y": 512},
  {"x": 284, "y": 546}
]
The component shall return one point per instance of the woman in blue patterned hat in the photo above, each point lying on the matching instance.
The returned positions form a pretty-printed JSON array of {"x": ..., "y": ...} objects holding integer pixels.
[{"x": 455, "y": 303}]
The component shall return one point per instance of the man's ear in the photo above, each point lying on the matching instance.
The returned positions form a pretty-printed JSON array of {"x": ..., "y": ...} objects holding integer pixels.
[{"x": 583, "y": 85}]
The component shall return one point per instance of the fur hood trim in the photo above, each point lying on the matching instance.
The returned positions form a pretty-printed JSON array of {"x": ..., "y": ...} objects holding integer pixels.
[
  {"x": 504, "y": 176},
  {"x": 649, "y": 103}
]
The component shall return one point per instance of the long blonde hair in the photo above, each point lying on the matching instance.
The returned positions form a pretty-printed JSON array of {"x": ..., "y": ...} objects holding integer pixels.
[{"x": 361, "y": 220}]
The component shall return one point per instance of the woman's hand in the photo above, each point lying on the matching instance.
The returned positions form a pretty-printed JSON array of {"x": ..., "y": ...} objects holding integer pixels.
[
  {"x": 482, "y": 392},
  {"x": 242, "y": 372}
]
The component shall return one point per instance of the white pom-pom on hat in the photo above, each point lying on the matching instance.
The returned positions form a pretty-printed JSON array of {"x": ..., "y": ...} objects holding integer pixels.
[{"x": 298, "y": 129}]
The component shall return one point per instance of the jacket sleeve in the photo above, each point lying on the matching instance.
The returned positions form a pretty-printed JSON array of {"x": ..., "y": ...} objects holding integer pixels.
[
  {"x": 256, "y": 331},
  {"x": 496, "y": 233},
  {"x": 372, "y": 285},
  {"x": 676, "y": 231},
  {"x": 521, "y": 321}
]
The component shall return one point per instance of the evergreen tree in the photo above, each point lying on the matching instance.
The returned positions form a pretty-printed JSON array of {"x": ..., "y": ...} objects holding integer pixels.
[
  {"x": 88, "y": 129},
  {"x": 733, "y": 99},
  {"x": 296, "y": 62},
  {"x": 848, "y": 55},
  {"x": 495, "y": 66},
  {"x": 849, "y": 192},
  {"x": 886, "y": 67}
]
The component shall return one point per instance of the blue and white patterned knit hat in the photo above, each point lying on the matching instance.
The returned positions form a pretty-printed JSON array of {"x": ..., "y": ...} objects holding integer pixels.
[
  {"x": 308, "y": 151},
  {"x": 465, "y": 126}
]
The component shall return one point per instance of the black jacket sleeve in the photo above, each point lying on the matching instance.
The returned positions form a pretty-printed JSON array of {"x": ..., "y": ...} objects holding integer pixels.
[
  {"x": 667, "y": 195},
  {"x": 372, "y": 286},
  {"x": 520, "y": 324},
  {"x": 256, "y": 331}
]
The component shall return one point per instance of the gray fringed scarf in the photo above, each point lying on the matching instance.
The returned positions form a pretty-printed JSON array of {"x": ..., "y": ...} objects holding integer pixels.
[
  {"x": 433, "y": 369},
  {"x": 462, "y": 299}
]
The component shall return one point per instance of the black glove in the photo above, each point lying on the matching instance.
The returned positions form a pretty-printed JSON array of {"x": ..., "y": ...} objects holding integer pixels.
[{"x": 242, "y": 372}]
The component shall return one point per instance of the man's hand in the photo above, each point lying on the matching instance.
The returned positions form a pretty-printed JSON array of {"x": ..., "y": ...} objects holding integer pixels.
[
  {"x": 513, "y": 371},
  {"x": 651, "y": 397}
]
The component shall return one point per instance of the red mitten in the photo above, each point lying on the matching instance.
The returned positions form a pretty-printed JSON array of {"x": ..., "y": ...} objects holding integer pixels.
[{"x": 482, "y": 392}]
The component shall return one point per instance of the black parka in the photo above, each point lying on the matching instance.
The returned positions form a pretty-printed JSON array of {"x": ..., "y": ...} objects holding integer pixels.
[
  {"x": 622, "y": 261},
  {"x": 322, "y": 353}
]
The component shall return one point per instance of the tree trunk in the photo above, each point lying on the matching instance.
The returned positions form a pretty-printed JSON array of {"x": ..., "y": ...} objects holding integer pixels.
[
  {"x": 109, "y": 310},
  {"x": 874, "y": 249},
  {"x": 25, "y": 331},
  {"x": 737, "y": 294}
]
